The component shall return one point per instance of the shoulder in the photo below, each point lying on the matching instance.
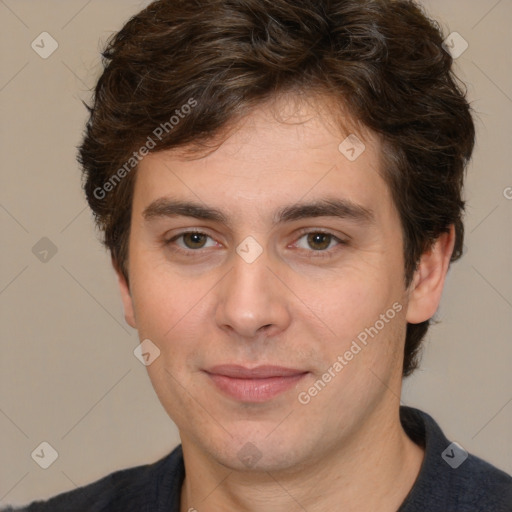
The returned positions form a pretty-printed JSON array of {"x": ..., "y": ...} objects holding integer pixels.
[
  {"x": 138, "y": 488},
  {"x": 451, "y": 479},
  {"x": 479, "y": 486}
]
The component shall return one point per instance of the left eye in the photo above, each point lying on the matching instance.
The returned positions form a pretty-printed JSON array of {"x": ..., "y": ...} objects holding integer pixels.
[{"x": 318, "y": 241}]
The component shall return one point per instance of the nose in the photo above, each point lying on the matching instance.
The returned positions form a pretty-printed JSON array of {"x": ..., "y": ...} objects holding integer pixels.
[{"x": 251, "y": 300}]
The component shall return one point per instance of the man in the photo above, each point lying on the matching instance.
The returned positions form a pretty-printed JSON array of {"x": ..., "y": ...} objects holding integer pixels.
[{"x": 279, "y": 184}]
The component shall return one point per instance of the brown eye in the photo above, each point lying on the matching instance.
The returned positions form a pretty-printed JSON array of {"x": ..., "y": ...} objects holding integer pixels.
[
  {"x": 194, "y": 240},
  {"x": 191, "y": 243},
  {"x": 317, "y": 244},
  {"x": 319, "y": 241}
]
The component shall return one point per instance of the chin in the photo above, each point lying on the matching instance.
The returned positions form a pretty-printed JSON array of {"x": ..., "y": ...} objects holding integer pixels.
[{"x": 257, "y": 451}]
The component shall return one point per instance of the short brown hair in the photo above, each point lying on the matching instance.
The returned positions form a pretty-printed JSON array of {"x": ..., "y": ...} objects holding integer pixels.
[{"x": 382, "y": 60}]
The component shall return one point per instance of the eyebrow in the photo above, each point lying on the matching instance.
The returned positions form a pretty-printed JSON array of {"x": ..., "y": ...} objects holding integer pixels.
[{"x": 328, "y": 207}]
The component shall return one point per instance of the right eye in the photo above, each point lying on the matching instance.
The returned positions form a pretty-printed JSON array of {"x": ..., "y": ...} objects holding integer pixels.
[{"x": 190, "y": 241}]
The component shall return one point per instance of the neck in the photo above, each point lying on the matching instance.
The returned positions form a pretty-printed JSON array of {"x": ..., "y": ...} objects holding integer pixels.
[{"x": 374, "y": 470}]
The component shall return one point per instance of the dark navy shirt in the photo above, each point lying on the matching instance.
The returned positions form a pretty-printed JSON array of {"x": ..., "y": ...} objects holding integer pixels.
[{"x": 450, "y": 480}]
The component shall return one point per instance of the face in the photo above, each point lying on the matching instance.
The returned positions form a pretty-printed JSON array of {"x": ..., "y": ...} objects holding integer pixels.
[{"x": 269, "y": 274}]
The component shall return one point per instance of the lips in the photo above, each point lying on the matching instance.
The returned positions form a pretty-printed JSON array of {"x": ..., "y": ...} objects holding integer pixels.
[
  {"x": 259, "y": 372},
  {"x": 258, "y": 384}
]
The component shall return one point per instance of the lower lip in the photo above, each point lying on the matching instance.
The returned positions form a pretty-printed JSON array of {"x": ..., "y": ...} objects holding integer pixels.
[{"x": 255, "y": 390}]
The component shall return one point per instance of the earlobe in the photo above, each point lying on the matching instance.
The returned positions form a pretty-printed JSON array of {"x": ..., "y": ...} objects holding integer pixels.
[
  {"x": 428, "y": 282},
  {"x": 129, "y": 313}
]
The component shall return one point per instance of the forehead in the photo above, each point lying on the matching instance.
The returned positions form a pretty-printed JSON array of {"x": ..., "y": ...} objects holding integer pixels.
[{"x": 281, "y": 153}]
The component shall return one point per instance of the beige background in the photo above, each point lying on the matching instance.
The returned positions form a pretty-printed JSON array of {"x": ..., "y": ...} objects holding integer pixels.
[{"x": 67, "y": 372}]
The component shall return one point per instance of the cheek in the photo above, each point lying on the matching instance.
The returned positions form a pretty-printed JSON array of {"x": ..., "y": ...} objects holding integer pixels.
[
  {"x": 346, "y": 303},
  {"x": 175, "y": 314},
  {"x": 162, "y": 300},
  {"x": 363, "y": 362},
  {"x": 362, "y": 316}
]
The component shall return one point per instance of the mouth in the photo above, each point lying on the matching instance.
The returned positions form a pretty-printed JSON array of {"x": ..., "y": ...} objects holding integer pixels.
[{"x": 256, "y": 385}]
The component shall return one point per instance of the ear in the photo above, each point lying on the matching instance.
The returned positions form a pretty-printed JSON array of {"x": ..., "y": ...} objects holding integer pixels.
[
  {"x": 129, "y": 314},
  {"x": 428, "y": 281}
]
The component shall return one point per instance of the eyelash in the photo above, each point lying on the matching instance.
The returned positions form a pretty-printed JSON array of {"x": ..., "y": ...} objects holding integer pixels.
[{"x": 326, "y": 253}]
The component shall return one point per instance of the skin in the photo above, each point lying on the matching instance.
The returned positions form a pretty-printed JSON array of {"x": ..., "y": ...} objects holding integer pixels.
[{"x": 293, "y": 307}]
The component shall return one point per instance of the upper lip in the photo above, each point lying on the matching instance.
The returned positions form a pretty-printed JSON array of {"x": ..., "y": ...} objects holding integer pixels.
[{"x": 258, "y": 372}]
